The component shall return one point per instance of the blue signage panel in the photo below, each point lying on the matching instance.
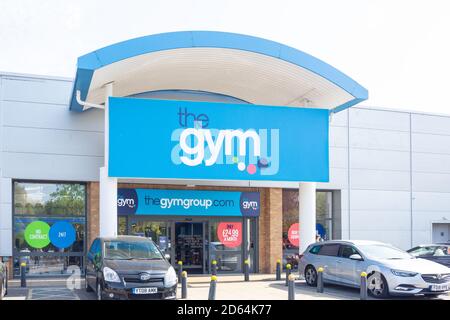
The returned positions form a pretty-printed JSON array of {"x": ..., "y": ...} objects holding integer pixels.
[
  {"x": 187, "y": 202},
  {"x": 202, "y": 140}
]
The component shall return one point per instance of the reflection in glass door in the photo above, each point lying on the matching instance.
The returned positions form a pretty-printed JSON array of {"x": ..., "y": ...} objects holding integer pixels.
[
  {"x": 225, "y": 246},
  {"x": 158, "y": 231},
  {"x": 189, "y": 245}
]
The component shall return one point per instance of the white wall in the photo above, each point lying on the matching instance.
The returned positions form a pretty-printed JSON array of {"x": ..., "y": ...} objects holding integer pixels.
[
  {"x": 41, "y": 139},
  {"x": 430, "y": 173},
  {"x": 398, "y": 169}
]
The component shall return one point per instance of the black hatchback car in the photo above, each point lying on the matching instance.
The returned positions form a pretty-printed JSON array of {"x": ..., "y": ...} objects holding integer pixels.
[{"x": 129, "y": 267}]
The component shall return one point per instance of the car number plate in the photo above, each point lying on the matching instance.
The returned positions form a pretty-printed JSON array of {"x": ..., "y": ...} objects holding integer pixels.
[
  {"x": 144, "y": 290},
  {"x": 440, "y": 287}
]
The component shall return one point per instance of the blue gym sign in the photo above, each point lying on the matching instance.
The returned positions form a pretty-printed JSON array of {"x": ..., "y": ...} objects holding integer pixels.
[
  {"x": 187, "y": 202},
  {"x": 202, "y": 140}
]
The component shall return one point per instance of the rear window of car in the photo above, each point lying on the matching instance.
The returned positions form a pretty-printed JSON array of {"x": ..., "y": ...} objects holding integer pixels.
[
  {"x": 315, "y": 250},
  {"x": 329, "y": 250}
]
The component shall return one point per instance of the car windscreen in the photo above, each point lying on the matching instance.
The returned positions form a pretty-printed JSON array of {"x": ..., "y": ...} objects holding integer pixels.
[
  {"x": 127, "y": 250},
  {"x": 380, "y": 251}
]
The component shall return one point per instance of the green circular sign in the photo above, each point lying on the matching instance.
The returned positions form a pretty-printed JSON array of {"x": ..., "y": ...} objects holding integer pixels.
[{"x": 37, "y": 234}]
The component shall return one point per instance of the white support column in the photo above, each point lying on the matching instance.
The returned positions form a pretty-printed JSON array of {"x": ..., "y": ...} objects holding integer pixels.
[
  {"x": 108, "y": 186},
  {"x": 307, "y": 214}
]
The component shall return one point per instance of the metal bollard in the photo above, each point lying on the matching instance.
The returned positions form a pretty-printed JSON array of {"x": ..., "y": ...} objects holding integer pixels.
[
  {"x": 291, "y": 292},
  {"x": 320, "y": 280},
  {"x": 23, "y": 271},
  {"x": 184, "y": 285},
  {"x": 180, "y": 269},
  {"x": 246, "y": 270},
  {"x": 212, "y": 288},
  {"x": 363, "y": 288},
  {"x": 214, "y": 267},
  {"x": 288, "y": 272},
  {"x": 278, "y": 274}
]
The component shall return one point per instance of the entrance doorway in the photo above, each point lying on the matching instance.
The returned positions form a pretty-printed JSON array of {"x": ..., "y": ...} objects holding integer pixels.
[
  {"x": 197, "y": 241},
  {"x": 189, "y": 245},
  {"x": 441, "y": 232}
]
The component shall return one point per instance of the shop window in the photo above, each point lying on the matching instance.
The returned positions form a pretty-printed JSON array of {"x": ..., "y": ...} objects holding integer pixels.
[
  {"x": 324, "y": 222},
  {"x": 49, "y": 227},
  {"x": 324, "y": 215},
  {"x": 122, "y": 228},
  {"x": 225, "y": 245}
]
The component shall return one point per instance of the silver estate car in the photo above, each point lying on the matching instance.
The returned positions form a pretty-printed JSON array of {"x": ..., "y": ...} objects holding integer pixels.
[{"x": 389, "y": 269}]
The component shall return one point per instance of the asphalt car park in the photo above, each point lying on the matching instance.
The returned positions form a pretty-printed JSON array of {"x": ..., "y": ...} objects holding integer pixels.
[{"x": 230, "y": 287}]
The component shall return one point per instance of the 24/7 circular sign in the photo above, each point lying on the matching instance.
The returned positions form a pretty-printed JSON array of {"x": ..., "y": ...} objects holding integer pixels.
[
  {"x": 37, "y": 234},
  {"x": 62, "y": 234},
  {"x": 230, "y": 234}
]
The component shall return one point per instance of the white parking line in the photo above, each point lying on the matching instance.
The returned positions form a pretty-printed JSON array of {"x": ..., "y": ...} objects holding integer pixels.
[
  {"x": 52, "y": 294},
  {"x": 15, "y": 298}
]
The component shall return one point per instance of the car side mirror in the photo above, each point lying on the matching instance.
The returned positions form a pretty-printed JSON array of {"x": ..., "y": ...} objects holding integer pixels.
[
  {"x": 167, "y": 256},
  {"x": 356, "y": 257}
]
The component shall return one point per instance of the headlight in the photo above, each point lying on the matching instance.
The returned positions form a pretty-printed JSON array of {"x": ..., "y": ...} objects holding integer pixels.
[
  {"x": 170, "y": 279},
  {"x": 110, "y": 275},
  {"x": 401, "y": 273}
]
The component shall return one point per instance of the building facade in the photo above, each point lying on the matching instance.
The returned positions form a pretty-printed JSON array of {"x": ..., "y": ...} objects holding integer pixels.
[{"x": 389, "y": 180}]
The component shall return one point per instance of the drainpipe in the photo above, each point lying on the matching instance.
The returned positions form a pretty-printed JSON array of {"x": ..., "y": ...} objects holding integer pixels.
[{"x": 87, "y": 105}]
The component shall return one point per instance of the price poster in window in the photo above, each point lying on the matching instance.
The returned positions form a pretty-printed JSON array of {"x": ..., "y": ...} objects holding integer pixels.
[
  {"x": 293, "y": 234},
  {"x": 230, "y": 234}
]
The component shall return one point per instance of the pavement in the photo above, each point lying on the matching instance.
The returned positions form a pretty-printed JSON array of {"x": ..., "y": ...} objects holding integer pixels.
[{"x": 229, "y": 287}]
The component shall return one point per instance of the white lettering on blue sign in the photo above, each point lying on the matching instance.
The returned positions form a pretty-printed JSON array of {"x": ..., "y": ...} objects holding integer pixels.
[{"x": 197, "y": 146}]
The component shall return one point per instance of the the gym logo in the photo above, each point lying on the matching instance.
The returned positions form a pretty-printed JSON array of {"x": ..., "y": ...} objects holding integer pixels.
[
  {"x": 249, "y": 204},
  {"x": 127, "y": 201},
  {"x": 248, "y": 150}
]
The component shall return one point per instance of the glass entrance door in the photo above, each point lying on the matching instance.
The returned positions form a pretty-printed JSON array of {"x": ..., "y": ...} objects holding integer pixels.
[
  {"x": 158, "y": 231},
  {"x": 189, "y": 245}
]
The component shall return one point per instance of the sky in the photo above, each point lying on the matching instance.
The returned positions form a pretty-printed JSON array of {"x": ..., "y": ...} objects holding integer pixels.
[{"x": 399, "y": 50}]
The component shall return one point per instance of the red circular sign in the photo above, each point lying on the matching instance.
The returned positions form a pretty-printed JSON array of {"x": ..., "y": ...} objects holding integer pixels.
[
  {"x": 230, "y": 234},
  {"x": 294, "y": 234}
]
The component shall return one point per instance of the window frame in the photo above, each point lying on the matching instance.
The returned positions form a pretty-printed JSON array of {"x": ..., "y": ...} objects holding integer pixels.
[
  {"x": 341, "y": 249},
  {"x": 319, "y": 246},
  {"x": 329, "y": 245},
  {"x": 18, "y": 254}
]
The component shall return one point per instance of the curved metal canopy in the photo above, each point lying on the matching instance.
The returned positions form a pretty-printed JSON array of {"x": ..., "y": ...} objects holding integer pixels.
[{"x": 248, "y": 68}]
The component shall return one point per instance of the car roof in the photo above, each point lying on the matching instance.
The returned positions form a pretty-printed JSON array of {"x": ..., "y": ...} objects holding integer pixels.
[
  {"x": 433, "y": 245},
  {"x": 125, "y": 238},
  {"x": 351, "y": 242}
]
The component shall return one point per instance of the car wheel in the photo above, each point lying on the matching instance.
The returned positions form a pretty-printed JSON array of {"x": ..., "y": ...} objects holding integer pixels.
[
  {"x": 87, "y": 286},
  {"x": 99, "y": 291},
  {"x": 311, "y": 276},
  {"x": 377, "y": 286}
]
